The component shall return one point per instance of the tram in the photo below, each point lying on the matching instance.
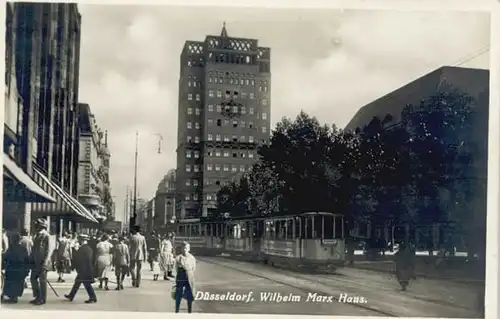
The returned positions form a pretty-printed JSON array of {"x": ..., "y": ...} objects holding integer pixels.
[{"x": 312, "y": 239}]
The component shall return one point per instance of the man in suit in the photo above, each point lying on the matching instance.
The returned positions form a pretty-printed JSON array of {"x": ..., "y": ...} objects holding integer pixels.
[
  {"x": 27, "y": 244},
  {"x": 121, "y": 260},
  {"x": 40, "y": 258},
  {"x": 84, "y": 264},
  {"x": 138, "y": 251}
]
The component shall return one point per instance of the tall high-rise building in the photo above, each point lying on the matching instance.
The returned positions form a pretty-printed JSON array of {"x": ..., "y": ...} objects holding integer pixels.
[{"x": 224, "y": 115}]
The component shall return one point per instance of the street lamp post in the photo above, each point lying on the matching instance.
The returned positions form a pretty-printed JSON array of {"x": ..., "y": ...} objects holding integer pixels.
[{"x": 133, "y": 218}]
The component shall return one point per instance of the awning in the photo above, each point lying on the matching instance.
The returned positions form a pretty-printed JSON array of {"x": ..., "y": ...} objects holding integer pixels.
[
  {"x": 20, "y": 187},
  {"x": 65, "y": 203}
]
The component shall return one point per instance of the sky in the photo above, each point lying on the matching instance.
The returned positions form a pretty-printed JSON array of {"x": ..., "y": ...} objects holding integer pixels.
[{"x": 328, "y": 63}]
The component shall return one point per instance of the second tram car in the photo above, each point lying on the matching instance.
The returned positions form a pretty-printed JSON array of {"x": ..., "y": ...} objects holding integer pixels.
[{"x": 313, "y": 239}]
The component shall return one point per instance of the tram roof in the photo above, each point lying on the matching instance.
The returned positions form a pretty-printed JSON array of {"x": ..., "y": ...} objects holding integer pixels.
[{"x": 205, "y": 220}]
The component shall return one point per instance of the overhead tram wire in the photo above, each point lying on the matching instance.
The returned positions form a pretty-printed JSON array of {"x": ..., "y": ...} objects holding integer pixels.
[{"x": 472, "y": 56}]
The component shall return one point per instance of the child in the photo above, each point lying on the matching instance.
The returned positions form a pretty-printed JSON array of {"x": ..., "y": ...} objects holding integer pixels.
[{"x": 156, "y": 267}]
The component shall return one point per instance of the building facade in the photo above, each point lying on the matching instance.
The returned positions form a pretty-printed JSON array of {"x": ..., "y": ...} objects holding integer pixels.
[
  {"x": 45, "y": 44},
  {"x": 94, "y": 186},
  {"x": 224, "y": 115},
  {"x": 164, "y": 213}
]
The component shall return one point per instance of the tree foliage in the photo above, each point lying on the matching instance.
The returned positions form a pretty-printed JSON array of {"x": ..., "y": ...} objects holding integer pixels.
[{"x": 413, "y": 170}]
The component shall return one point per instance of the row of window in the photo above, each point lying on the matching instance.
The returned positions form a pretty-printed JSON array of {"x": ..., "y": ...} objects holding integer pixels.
[
  {"x": 263, "y": 87},
  {"x": 234, "y": 110},
  {"x": 234, "y": 123},
  {"x": 208, "y": 182},
  {"x": 217, "y": 167},
  {"x": 210, "y": 137},
  {"x": 221, "y": 153},
  {"x": 210, "y": 197}
]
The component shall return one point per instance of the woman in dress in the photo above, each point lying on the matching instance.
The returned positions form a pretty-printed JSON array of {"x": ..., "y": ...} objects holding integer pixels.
[
  {"x": 103, "y": 261},
  {"x": 16, "y": 261},
  {"x": 185, "y": 265},
  {"x": 166, "y": 257}
]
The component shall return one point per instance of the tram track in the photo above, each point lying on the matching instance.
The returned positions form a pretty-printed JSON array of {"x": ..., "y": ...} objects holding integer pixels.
[{"x": 379, "y": 312}]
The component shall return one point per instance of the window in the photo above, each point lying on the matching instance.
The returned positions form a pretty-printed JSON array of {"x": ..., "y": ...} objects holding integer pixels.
[
  {"x": 242, "y": 168},
  {"x": 221, "y": 80},
  {"x": 243, "y": 95},
  {"x": 248, "y": 82},
  {"x": 195, "y": 182},
  {"x": 190, "y": 111},
  {"x": 226, "y": 138},
  {"x": 197, "y": 125},
  {"x": 242, "y": 82},
  {"x": 188, "y": 154},
  {"x": 209, "y": 79},
  {"x": 209, "y": 197},
  {"x": 197, "y": 111},
  {"x": 252, "y": 82},
  {"x": 198, "y": 98},
  {"x": 235, "y": 109},
  {"x": 189, "y": 139},
  {"x": 217, "y": 167},
  {"x": 243, "y": 110},
  {"x": 219, "y": 122},
  {"x": 250, "y": 139},
  {"x": 226, "y": 154},
  {"x": 251, "y": 111},
  {"x": 242, "y": 138},
  {"x": 195, "y": 196},
  {"x": 243, "y": 154},
  {"x": 226, "y": 122},
  {"x": 226, "y": 168},
  {"x": 250, "y": 155},
  {"x": 189, "y": 83},
  {"x": 217, "y": 153},
  {"x": 210, "y": 137},
  {"x": 209, "y": 167},
  {"x": 264, "y": 101},
  {"x": 188, "y": 168},
  {"x": 188, "y": 182},
  {"x": 187, "y": 197},
  {"x": 219, "y": 93},
  {"x": 209, "y": 153},
  {"x": 235, "y": 123},
  {"x": 235, "y": 95},
  {"x": 196, "y": 154},
  {"x": 217, "y": 137},
  {"x": 196, "y": 139},
  {"x": 196, "y": 168},
  {"x": 243, "y": 124},
  {"x": 235, "y": 138},
  {"x": 190, "y": 97},
  {"x": 234, "y": 168},
  {"x": 219, "y": 108},
  {"x": 228, "y": 95},
  {"x": 210, "y": 122},
  {"x": 250, "y": 124},
  {"x": 265, "y": 88},
  {"x": 189, "y": 125},
  {"x": 211, "y": 93},
  {"x": 264, "y": 129},
  {"x": 235, "y": 154},
  {"x": 264, "y": 116},
  {"x": 252, "y": 96},
  {"x": 210, "y": 107}
]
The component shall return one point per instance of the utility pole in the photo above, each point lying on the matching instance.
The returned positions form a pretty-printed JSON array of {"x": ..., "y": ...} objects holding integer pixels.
[{"x": 134, "y": 211}]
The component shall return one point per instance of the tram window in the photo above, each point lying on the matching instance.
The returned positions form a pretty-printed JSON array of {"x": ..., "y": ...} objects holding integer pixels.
[
  {"x": 339, "y": 227},
  {"x": 308, "y": 227},
  {"x": 328, "y": 232},
  {"x": 289, "y": 230},
  {"x": 318, "y": 226}
]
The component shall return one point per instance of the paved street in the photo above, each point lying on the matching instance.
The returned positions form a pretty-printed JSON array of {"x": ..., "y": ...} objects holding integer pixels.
[{"x": 220, "y": 276}]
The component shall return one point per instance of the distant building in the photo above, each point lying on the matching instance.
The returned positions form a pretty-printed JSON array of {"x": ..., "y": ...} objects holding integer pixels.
[
  {"x": 94, "y": 186},
  {"x": 224, "y": 115},
  {"x": 164, "y": 213}
]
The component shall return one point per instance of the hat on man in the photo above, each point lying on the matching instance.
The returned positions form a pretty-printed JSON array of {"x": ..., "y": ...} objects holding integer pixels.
[
  {"x": 42, "y": 222},
  {"x": 83, "y": 237}
]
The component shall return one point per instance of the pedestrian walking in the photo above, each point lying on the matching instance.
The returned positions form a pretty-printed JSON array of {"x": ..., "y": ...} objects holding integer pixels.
[
  {"x": 114, "y": 240},
  {"x": 185, "y": 265},
  {"x": 84, "y": 264},
  {"x": 63, "y": 256},
  {"x": 121, "y": 260},
  {"x": 27, "y": 243},
  {"x": 40, "y": 262},
  {"x": 167, "y": 259},
  {"x": 16, "y": 264},
  {"x": 404, "y": 265},
  {"x": 154, "y": 249},
  {"x": 103, "y": 261},
  {"x": 138, "y": 254}
]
